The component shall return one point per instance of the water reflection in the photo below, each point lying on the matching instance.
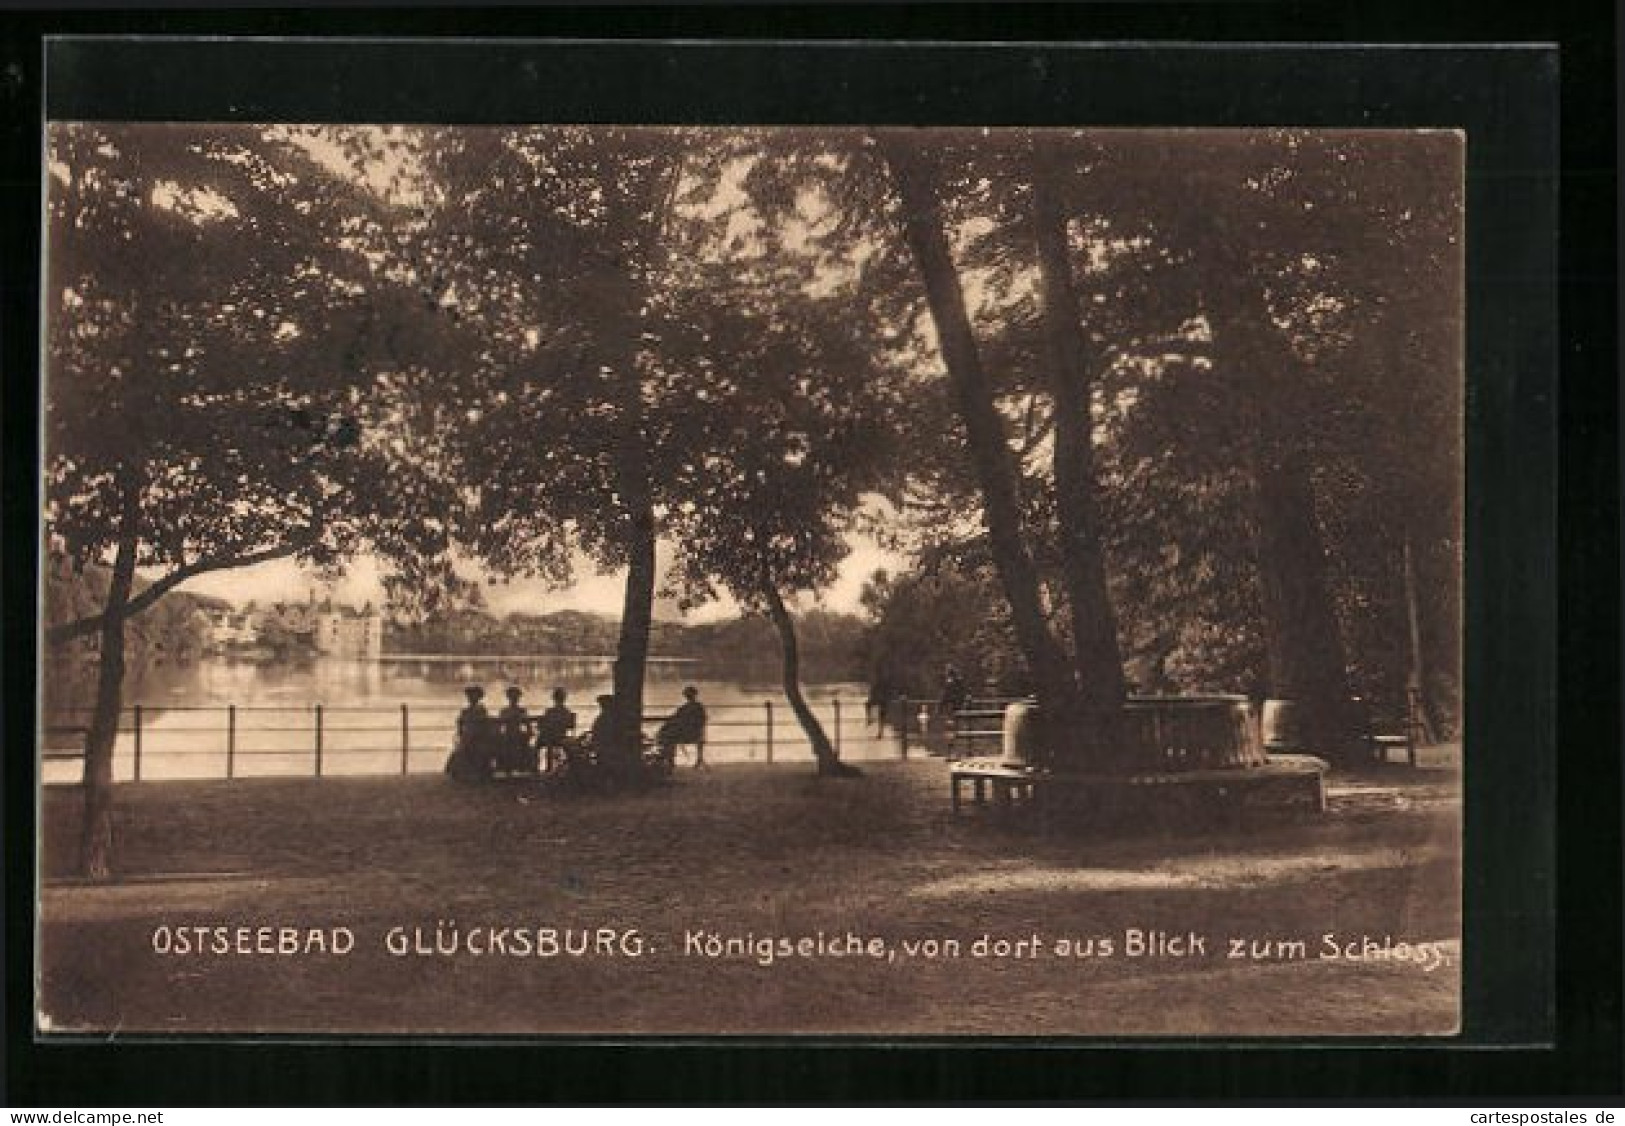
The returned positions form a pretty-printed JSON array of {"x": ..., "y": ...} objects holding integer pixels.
[
  {"x": 248, "y": 718},
  {"x": 434, "y": 680}
]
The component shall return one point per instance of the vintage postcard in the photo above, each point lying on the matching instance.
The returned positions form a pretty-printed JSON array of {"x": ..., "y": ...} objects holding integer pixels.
[{"x": 669, "y": 581}]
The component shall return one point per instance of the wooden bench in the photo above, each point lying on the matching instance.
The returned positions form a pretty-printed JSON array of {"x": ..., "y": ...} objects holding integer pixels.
[
  {"x": 1301, "y": 776},
  {"x": 1382, "y": 744},
  {"x": 1413, "y": 734}
]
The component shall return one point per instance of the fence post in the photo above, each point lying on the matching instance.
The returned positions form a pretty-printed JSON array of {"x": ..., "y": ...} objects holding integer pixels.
[
  {"x": 231, "y": 739},
  {"x": 136, "y": 766},
  {"x": 768, "y": 704},
  {"x": 902, "y": 727},
  {"x": 406, "y": 740},
  {"x": 835, "y": 702},
  {"x": 318, "y": 740}
]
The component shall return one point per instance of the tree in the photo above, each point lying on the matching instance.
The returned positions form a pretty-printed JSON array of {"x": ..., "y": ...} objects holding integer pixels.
[
  {"x": 1287, "y": 255},
  {"x": 173, "y": 630},
  {"x": 944, "y": 610},
  {"x": 1348, "y": 323},
  {"x": 923, "y": 229},
  {"x": 208, "y": 405},
  {"x": 1320, "y": 268},
  {"x": 653, "y": 369},
  {"x": 1097, "y": 660},
  {"x": 603, "y": 213},
  {"x": 787, "y": 413},
  {"x": 551, "y": 243}
]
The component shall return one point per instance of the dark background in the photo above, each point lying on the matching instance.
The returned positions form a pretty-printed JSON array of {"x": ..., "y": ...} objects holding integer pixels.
[{"x": 1543, "y": 788}]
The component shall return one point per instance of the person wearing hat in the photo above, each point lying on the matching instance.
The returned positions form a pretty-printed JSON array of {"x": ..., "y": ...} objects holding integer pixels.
[
  {"x": 685, "y": 725},
  {"x": 471, "y": 757},
  {"x": 517, "y": 753},
  {"x": 553, "y": 728},
  {"x": 602, "y": 732}
]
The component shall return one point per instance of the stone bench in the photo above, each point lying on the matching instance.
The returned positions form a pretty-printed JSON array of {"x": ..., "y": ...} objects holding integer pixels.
[
  {"x": 984, "y": 774},
  {"x": 1295, "y": 776}
]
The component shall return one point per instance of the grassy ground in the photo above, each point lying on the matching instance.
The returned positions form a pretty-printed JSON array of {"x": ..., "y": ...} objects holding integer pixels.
[{"x": 747, "y": 850}]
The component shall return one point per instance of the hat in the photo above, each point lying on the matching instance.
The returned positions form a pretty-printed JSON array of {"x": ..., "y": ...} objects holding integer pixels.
[
  {"x": 474, "y": 692},
  {"x": 514, "y": 692},
  {"x": 605, "y": 701},
  {"x": 690, "y": 692}
]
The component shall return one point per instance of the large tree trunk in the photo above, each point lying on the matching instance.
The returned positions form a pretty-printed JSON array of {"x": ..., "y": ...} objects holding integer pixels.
[
  {"x": 96, "y": 841},
  {"x": 637, "y": 603},
  {"x": 1001, "y": 508},
  {"x": 637, "y": 622},
  {"x": 829, "y": 762},
  {"x": 1304, "y": 646},
  {"x": 1439, "y": 605},
  {"x": 1440, "y": 568},
  {"x": 1305, "y": 660},
  {"x": 636, "y": 483},
  {"x": 1097, "y": 657}
]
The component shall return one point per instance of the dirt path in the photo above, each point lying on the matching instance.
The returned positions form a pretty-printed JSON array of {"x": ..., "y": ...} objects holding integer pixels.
[{"x": 881, "y": 912}]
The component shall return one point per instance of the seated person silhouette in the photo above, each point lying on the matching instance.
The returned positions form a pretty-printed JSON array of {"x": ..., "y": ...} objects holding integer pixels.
[
  {"x": 553, "y": 728},
  {"x": 472, "y": 756},
  {"x": 604, "y": 727},
  {"x": 685, "y": 725},
  {"x": 517, "y": 753},
  {"x": 611, "y": 750}
]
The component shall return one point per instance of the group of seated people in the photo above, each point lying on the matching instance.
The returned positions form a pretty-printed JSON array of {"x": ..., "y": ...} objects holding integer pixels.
[{"x": 516, "y": 742}]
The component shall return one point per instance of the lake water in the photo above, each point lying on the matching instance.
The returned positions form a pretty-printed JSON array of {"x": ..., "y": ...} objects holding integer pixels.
[{"x": 397, "y": 715}]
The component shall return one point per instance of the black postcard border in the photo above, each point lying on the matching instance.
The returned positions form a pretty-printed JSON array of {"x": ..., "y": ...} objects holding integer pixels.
[{"x": 1505, "y": 98}]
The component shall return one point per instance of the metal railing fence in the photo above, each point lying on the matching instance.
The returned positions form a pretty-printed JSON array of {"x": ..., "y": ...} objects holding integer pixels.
[
  {"x": 238, "y": 740},
  {"x": 319, "y": 739}
]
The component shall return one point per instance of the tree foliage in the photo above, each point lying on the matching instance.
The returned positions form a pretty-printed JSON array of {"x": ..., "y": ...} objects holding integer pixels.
[
  {"x": 1250, "y": 302},
  {"x": 214, "y": 395},
  {"x": 1184, "y": 401}
]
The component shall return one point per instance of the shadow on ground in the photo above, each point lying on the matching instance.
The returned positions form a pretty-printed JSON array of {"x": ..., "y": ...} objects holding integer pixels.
[{"x": 1347, "y": 922}]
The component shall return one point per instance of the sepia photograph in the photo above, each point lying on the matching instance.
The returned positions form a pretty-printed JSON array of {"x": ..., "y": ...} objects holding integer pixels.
[{"x": 675, "y": 581}]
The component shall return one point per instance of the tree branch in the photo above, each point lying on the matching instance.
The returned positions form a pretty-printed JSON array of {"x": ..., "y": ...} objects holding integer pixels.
[
  {"x": 82, "y": 627},
  {"x": 1034, "y": 438}
]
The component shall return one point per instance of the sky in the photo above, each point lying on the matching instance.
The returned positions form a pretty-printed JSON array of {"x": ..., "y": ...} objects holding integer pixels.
[{"x": 285, "y": 580}]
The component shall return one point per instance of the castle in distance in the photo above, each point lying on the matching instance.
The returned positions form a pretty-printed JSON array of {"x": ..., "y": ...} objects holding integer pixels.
[{"x": 326, "y": 628}]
